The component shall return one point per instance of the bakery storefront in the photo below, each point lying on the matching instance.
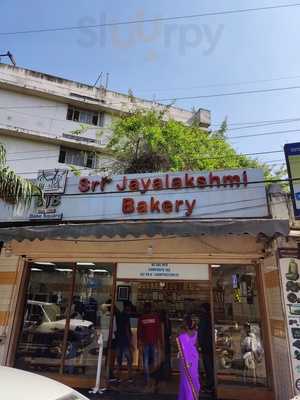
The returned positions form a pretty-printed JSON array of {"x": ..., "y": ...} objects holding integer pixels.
[{"x": 177, "y": 241}]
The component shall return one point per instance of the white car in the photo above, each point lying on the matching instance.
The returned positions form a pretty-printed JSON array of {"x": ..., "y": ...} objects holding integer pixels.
[
  {"x": 44, "y": 331},
  {"x": 48, "y": 312},
  {"x": 17, "y": 384}
]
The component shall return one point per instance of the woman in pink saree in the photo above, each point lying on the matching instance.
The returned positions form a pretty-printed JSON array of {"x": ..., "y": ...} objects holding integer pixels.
[{"x": 189, "y": 386}]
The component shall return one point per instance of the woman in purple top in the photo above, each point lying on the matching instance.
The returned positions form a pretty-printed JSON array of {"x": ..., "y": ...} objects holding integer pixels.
[{"x": 189, "y": 387}]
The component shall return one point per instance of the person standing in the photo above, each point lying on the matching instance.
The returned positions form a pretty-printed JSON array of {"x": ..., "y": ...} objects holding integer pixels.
[
  {"x": 189, "y": 386},
  {"x": 205, "y": 338},
  {"x": 149, "y": 339},
  {"x": 123, "y": 338}
]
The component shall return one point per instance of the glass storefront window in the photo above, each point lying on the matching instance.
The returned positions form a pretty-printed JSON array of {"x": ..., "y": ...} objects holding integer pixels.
[
  {"x": 41, "y": 341},
  {"x": 240, "y": 356},
  {"x": 90, "y": 315},
  {"x": 67, "y": 306}
]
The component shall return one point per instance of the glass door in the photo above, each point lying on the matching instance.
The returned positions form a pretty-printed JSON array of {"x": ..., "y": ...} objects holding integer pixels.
[{"x": 170, "y": 302}]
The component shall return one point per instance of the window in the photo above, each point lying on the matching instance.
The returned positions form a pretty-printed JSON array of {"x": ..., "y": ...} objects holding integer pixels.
[
  {"x": 85, "y": 116},
  {"x": 239, "y": 346},
  {"x": 66, "y": 301},
  {"x": 77, "y": 157}
]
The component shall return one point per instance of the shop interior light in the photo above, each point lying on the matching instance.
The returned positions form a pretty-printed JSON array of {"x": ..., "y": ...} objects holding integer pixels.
[
  {"x": 36, "y": 269},
  {"x": 216, "y": 266},
  {"x": 99, "y": 270},
  {"x": 44, "y": 263},
  {"x": 8, "y": 250},
  {"x": 64, "y": 269},
  {"x": 88, "y": 264},
  {"x": 150, "y": 250}
]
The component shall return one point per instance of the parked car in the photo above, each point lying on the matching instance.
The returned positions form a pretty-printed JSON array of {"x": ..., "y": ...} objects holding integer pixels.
[
  {"x": 44, "y": 331},
  {"x": 17, "y": 384}
]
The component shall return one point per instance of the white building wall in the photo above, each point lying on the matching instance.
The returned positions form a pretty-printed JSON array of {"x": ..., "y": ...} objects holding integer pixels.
[
  {"x": 33, "y": 118},
  {"x": 32, "y": 81},
  {"x": 37, "y": 114},
  {"x": 26, "y": 156}
]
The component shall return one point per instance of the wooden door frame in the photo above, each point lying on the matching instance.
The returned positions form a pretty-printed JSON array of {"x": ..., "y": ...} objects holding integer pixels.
[{"x": 19, "y": 313}]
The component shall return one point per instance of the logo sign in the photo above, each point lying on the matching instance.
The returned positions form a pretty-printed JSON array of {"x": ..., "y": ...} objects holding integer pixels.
[
  {"x": 292, "y": 155},
  {"x": 163, "y": 271},
  {"x": 52, "y": 180}
]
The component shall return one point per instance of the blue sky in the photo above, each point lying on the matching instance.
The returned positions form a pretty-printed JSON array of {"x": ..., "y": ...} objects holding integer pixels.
[{"x": 173, "y": 59}]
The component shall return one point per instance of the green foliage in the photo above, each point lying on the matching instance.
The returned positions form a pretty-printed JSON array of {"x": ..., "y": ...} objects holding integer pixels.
[
  {"x": 13, "y": 188},
  {"x": 75, "y": 170},
  {"x": 79, "y": 131},
  {"x": 149, "y": 142}
]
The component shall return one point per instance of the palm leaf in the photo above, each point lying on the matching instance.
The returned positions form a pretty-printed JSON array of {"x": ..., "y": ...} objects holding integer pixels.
[{"x": 13, "y": 188}]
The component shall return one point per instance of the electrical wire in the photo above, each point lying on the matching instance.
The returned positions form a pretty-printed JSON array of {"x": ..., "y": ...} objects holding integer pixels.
[
  {"x": 96, "y": 170},
  {"x": 204, "y": 158},
  {"x": 288, "y": 131},
  {"x": 264, "y": 134},
  {"x": 239, "y": 93},
  {"x": 149, "y": 20},
  {"x": 232, "y": 126},
  {"x": 270, "y": 162},
  {"x": 174, "y": 99},
  {"x": 173, "y": 190},
  {"x": 214, "y": 85}
]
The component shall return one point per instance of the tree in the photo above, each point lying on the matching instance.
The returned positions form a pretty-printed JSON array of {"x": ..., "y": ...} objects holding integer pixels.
[
  {"x": 149, "y": 142},
  {"x": 13, "y": 188}
]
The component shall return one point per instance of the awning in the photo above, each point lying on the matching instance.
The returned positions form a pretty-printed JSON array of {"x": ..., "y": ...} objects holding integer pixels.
[{"x": 182, "y": 228}]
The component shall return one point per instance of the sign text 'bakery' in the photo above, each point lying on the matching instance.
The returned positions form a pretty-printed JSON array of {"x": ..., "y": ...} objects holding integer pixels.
[
  {"x": 166, "y": 182},
  {"x": 239, "y": 193}
]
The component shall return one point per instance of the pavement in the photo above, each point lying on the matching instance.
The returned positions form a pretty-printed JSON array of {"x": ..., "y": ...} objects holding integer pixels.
[
  {"x": 136, "y": 390},
  {"x": 116, "y": 395}
]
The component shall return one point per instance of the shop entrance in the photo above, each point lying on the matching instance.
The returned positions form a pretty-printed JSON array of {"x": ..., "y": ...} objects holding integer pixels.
[
  {"x": 171, "y": 302},
  {"x": 68, "y": 306}
]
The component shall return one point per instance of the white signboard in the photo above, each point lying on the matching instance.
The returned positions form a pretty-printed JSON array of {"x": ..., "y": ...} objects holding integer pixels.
[
  {"x": 290, "y": 277},
  {"x": 221, "y": 194},
  {"x": 163, "y": 271}
]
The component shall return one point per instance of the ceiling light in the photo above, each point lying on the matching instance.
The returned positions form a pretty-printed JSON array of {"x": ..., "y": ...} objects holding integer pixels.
[
  {"x": 36, "y": 269},
  {"x": 64, "y": 269},
  {"x": 86, "y": 263},
  {"x": 43, "y": 263},
  {"x": 216, "y": 266},
  {"x": 99, "y": 270}
]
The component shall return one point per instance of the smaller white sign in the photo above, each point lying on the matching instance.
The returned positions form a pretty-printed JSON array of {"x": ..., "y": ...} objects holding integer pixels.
[{"x": 163, "y": 271}]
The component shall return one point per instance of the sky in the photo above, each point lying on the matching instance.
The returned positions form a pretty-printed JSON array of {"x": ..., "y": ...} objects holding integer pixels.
[{"x": 191, "y": 57}]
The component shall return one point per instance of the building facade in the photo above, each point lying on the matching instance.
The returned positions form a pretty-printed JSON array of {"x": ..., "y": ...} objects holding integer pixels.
[
  {"x": 48, "y": 122},
  {"x": 177, "y": 240},
  {"x": 163, "y": 243}
]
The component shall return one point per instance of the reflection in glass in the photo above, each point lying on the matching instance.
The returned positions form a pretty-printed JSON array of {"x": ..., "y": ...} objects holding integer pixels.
[
  {"x": 240, "y": 357},
  {"x": 64, "y": 314},
  {"x": 90, "y": 314},
  {"x": 41, "y": 341}
]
